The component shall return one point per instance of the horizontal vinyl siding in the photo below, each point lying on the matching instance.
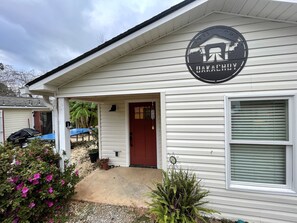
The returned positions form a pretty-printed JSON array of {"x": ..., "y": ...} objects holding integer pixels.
[
  {"x": 113, "y": 133},
  {"x": 195, "y": 128},
  {"x": 16, "y": 119}
]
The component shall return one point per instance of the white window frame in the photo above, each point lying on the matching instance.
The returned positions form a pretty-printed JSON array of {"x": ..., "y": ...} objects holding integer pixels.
[{"x": 291, "y": 153}]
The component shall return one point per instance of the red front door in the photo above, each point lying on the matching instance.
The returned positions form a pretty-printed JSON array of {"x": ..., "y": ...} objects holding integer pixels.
[{"x": 143, "y": 151}]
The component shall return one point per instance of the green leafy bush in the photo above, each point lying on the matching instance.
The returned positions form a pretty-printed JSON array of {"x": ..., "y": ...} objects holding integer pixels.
[
  {"x": 32, "y": 188},
  {"x": 178, "y": 199}
]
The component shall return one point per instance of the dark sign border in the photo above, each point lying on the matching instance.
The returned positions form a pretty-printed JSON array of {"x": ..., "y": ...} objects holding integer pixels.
[{"x": 205, "y": 31}]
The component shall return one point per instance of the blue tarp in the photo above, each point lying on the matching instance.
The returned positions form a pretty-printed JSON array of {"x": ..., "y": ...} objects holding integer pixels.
[
  {"x": 50, "y": 136},
  {"x": 73, "y": 132}
]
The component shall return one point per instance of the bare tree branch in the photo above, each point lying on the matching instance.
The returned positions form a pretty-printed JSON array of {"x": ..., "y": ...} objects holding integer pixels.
[{"x": 14, "y": 79}]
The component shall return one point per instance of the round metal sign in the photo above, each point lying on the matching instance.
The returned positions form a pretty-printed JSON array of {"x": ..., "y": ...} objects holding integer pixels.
[
  {"x": 216, "y": 54},
  {"x": 172, "y": 160}
]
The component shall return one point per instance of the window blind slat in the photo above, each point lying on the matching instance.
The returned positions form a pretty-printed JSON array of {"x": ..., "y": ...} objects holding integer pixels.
[
  {"x": 259, "y": 120},
  {"x": 258, "y": 163}
]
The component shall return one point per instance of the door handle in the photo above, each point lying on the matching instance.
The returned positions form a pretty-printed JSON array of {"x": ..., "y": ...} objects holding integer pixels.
[{"x": 131, "y": 139}]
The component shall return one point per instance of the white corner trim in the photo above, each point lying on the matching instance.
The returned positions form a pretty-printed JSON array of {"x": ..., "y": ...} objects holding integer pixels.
[
  {"x": 99, "y": 129},
  {"x": 127, "y": 130},
  {"x": 227, "y": 149},
  {"x": 163, "y": 130}
]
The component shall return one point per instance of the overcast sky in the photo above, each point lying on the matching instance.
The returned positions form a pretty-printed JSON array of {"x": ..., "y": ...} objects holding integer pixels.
[{"x": 43, "y": 34}]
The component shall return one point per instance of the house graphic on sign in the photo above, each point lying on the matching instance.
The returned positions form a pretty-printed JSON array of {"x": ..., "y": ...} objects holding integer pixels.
[{"x": 215, "y": 49}]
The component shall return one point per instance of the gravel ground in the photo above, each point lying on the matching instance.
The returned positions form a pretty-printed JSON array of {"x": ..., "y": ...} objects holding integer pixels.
[
  {"x": 80, "y": 157},
  {"x": 101, "y": 213},
  {"x": 85, "y": 212}
]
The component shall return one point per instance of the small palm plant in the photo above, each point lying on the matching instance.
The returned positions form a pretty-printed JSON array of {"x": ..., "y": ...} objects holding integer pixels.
[{"x": 178, "y": 199}]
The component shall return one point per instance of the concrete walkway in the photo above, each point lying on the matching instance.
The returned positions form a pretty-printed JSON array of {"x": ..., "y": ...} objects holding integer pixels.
[{"x": 118, "y": 186}]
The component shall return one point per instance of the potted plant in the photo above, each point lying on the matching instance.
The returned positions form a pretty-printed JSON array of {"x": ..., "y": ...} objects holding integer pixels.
[
  {"x": 103, "y": 163},
  {"x": 94, "y": 155},
  {"x": 93, "y": 145}
]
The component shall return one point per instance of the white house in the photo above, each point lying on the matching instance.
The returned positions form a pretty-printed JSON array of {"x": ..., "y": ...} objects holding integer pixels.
[{"x": 234, "y": 124}]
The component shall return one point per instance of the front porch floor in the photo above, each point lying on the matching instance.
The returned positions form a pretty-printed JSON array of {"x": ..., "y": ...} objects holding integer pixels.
[{"x": 118, "y": 186}]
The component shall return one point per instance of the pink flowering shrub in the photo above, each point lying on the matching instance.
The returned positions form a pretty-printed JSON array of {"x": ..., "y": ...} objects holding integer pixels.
[{"x": 32, "y": 188}]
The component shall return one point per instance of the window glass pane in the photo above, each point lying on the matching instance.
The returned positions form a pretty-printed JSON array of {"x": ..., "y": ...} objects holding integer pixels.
[
  {"x": 258, "y": 163},
  {"x": 259, "y": 120},
  {"x": 141, "y": 113},
  {"x": 136, "y": 112},
  {"x": 147, "y": 113}
]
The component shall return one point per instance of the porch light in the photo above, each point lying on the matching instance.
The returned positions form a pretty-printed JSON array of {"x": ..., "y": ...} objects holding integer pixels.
[
  {"x": 116, "y": 153},
  {"x": 113, "y": 108}
]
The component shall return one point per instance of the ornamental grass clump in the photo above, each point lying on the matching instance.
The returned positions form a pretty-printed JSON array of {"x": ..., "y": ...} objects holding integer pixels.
[
  {"x": 178, "y": 199},
  {"x": 32, "y": 188}
]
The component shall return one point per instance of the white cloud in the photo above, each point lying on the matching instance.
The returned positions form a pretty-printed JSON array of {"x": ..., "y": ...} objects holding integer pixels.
[{"x": 43, "y": 34}]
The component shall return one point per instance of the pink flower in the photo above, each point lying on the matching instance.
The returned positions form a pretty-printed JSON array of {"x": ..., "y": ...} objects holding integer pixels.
[
  {"x": 25, "y": 191},
  {"x": 49, "y": 178},
  {"x": 76, "y": 172},
  {"x": 36, "y": 176},
  {"x": 50, "y": 190},
  {"x": 51, "y": 221},
  {"x": 20, "y": 186},
  {"x": 13, "y": 179},
  {"x": 32, "y": 205},
  {"x": 35, "y": 182},
  {"x": 62, "y": 182},
  {"x": 17, "y": 162},
  {"x": 49, "y": 203}
]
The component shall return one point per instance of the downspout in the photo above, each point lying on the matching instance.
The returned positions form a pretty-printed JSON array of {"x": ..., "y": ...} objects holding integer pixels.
[
  {"x": 47, "y": 102},
  {"x": 53, "y": 106}
]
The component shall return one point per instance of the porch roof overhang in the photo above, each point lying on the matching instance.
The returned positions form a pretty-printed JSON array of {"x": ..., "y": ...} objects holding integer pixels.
[{"x": 161, "y": 25}]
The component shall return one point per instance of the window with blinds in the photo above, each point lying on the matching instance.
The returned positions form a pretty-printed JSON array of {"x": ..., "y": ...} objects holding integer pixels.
[
  {"x": 258, "y": 163},
  {"x": 251, "y": 122},
  {"x": 259, "y": 120}
]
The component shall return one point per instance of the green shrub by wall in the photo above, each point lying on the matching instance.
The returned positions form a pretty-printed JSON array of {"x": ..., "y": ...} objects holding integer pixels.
[{"x": 178, "y": 199}]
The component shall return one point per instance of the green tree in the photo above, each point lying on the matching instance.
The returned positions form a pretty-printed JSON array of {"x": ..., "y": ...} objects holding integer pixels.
[{"x": 83, "y": 114}]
